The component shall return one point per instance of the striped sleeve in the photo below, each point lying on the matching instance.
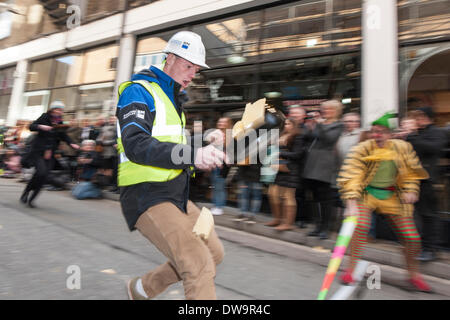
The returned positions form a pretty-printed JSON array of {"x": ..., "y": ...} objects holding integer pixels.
[
  {"x": 414, "y": 171},
  {"x": 353, "y": 172}
]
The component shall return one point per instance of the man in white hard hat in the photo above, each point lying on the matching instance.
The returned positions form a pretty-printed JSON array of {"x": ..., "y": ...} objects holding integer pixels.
[{"x": 154, "y": 187}]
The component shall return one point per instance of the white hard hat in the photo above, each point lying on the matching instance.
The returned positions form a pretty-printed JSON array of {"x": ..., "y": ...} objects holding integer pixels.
[
  {"x": 189, "y": 46},
  {"x": 56, "y": 104}
]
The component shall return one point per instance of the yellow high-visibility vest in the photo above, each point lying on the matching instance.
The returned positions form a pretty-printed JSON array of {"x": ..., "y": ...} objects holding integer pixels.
[{"x": 167, "y": 127}]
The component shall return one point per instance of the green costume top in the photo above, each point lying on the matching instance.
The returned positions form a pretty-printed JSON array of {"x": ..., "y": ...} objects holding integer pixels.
[{"x": 384, "y": 178}]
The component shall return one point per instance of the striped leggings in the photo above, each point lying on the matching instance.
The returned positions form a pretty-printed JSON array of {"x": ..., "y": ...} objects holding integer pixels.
[{"x": 404, "y": 228}]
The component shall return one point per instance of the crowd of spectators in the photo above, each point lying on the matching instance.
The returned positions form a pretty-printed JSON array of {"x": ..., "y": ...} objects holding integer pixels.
[
  {"x": 309, "y": 153},
  {"x": 95, "y": 161},
  {"x": 301, "y": 184}
]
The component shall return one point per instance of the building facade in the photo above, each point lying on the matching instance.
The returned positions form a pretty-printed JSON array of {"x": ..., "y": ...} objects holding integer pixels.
[{"x": 372, "y": 55}]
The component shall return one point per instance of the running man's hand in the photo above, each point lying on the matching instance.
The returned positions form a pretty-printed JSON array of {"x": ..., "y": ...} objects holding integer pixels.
[
  {"x": 409, "y": 198},
  {"x": 208, "y": 158},
  {"x": 351, "y": 208}
]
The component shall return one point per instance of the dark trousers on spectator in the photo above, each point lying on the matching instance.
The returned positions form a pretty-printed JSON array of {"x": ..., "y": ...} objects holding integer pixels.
[
  {"x": 324, "y": 198},
  {"x": 42, "y": 167},
  {"x": 425, "y": 214},
  {"x": 301, "y": 209}
]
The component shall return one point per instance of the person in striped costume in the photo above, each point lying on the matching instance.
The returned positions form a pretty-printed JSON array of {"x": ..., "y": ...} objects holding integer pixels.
[{"x": 383, "y": 174}]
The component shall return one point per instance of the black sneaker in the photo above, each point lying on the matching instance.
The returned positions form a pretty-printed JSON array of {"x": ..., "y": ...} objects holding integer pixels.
[{"x": 24, "y": 197}]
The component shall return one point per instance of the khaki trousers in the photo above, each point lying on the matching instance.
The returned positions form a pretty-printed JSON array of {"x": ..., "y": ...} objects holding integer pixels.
[{"x": 190, "y": 259}]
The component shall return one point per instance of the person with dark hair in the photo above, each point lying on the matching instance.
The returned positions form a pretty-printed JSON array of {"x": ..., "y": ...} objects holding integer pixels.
[
  {"x": 282, "y": 199},
  {"x": 429, "y": 142},
  {"x": 298, "y": 114},
  {"x": 44, "y": 145}
]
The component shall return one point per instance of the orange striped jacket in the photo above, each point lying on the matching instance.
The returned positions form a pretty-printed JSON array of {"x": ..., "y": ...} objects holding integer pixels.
[{"x": 362, "y": 163}]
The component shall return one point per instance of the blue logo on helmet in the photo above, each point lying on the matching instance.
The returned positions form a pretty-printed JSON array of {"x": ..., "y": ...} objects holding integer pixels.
[{"x": 185, "y": 45}]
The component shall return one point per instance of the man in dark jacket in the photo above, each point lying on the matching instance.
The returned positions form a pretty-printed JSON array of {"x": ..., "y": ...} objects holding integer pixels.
[
  {"x": 321, "y": 164},
  {"x": 44, "y": 145},
  {"x": 428, "y": 141},
  {"x": 154, "y": 185}
]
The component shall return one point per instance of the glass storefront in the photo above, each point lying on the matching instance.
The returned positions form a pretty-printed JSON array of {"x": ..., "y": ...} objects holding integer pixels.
[
  {"x": 423, "y": 20},
  {"x": 4, "y": 104},
  {"x": 424, "y": 79},
  {"x": 424, "y": 69},
  {"x": 39, "y": 75},
  {"x": 34, "y": 104},
  {"x": 68, "y": 70},
  {"x": 83, "y": 81},
  {"x": 292, "y": 54},
  {"x": 6, "y": 85},
  {"x": 70, "y": 96}
]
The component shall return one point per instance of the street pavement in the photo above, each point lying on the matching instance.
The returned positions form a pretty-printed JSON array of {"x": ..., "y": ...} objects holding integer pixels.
[{"x": 40, "y": 248}]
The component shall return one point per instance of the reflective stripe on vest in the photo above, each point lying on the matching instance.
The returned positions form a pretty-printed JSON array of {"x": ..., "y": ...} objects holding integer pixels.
[{"x": 167, "y": 127}]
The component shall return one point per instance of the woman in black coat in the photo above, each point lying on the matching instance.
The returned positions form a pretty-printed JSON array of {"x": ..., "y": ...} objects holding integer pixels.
[
  {"x": 49, "y": 127},
  {"x": 321, "y": 165}
]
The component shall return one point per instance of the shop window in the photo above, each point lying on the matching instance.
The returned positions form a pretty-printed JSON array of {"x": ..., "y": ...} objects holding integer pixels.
[
  {"x": 6, "y": 80},
  {"x": 294, "y": 28},
  {"x": 227, "y": 87},
  {"x": 67, "y": 95},
  {"x": 231, "y": 41},
  {"x": 68, "y": 70},
  {"x": 4, "y": 104},
  {"x": 97, "y": 64},
  {"x": 100, "y": 9},
  {"x": 346, "y": 31},
  {"x": 39, "y": 74},
  {"x": 149, "y": 51},
  {"x": 308, "y": 82},
  {"x": 421, "y": 20},
  {"x": 96, "y": 98},
  {"x": 113, "y": 63},
  {"x": 35, "y": 103},
  {"x": 424, "y": 79}
]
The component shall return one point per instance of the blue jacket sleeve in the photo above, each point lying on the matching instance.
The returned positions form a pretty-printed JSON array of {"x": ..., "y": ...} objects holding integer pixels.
[{"x": 136, "y": 113}]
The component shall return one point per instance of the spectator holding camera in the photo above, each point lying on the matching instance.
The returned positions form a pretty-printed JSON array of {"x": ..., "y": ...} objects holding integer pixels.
[
  {"x": 321, "y": 165},
  {"x": 89, "y": 160}
]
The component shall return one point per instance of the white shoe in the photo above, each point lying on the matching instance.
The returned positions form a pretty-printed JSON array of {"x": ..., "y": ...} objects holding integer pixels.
[{"x": 217, "y": 211}]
